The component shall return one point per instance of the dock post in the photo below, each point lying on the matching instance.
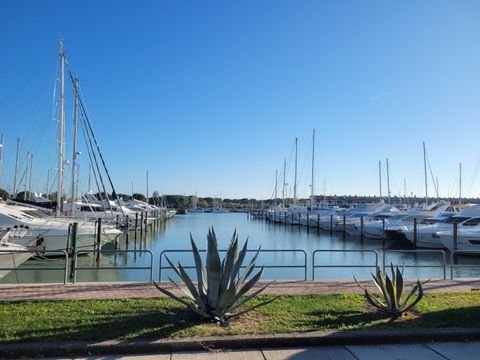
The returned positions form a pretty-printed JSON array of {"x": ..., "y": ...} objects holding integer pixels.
[
  {"x": 415, "y": 232},
  {"x": 383, "y": 237},
  {"x": 126, "y": 228},
  {"x": 455, "y": 237},
  {"x": 299, "y": 220},
  {"x": 99, "y": 237},
  {"x": 318, "y": 223},
  {"x": 331, "y": 224},
  {"x": 73, "y": 249},
  {"x": 117, "y": 221},
  {"x": 361, "y": 228},
  {"x": 141, "y": 222},
  {"x": 146, "y": 221},
  {"x": 344, "y": 224},
  {"x": 308, "y": 221},
  {"x": 136, "y": 221}
]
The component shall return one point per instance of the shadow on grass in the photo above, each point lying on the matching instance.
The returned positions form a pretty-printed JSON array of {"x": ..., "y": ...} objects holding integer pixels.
[
  {"x": 148, "y": 324},
  {"x": 414, "y": 319}
]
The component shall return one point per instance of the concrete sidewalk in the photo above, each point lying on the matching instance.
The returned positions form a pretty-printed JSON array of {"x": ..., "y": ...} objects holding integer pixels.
[
  {"x": 423, "y": 351},
  {"x": 81, "y": 291}
]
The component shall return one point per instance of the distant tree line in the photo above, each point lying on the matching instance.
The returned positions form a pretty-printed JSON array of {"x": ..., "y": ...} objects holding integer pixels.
[{"x": 186, "y": 201}]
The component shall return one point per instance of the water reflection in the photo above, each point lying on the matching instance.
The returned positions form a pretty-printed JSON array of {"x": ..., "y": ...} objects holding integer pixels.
[{"x": 175, "y": 235}]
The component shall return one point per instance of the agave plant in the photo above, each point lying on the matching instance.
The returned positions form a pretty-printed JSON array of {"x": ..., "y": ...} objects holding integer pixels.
[
  {"x": 220, "y": 288},
  {"x": 391, "y": 289}
]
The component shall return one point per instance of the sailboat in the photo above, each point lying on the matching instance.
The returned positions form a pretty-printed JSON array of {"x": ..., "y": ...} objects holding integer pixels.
[
  {"x": 55, "y": 230},
  {"x": 13, "y": 255}
]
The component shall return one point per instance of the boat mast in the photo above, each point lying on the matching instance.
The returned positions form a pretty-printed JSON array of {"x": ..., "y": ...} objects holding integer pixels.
[
  {"x": 388, "y": 183},
  {"x": 425, "y": 169},
  {"x": 147, "y": 186},
  {"x": 276, "y": 186},
  {"x": 295, "y": 183},
  {"x": 460, "y": 192},
  {"x": 74, "y": 151},
  {"x": 16, "y": 170},
  {"x": 30, "y": 178},
  {"x": 61, "y": 130},
  {"x": 313, "y": 170},
  {"x": 1, "y": 154},
  {"x": 380, "y": 177},
  {"x": 284, "y": 183}
]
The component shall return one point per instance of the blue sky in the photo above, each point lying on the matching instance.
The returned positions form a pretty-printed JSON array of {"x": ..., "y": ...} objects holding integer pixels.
[{"x": 208, "y": 96}]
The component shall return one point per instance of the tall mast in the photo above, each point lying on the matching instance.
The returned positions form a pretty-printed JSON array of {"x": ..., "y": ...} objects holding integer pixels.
[
  {"x": 380, "y": 177},
  {"x": 460, "y": 192},
  {"x": 16, "y": 170},
  {"x": 295, "y": 183},
  {"x": 30, "y": 178},
  {"x": 388, "y": 183},
  {"x": 284, "y": 183},
  {"x": 48, "y": 184},
  {"x": 1, "y": 154},
  {"x": 147, "y": 186},
  {"x": 425, "y": 169},
  {"x": 276, "y": 186},
  {"x": 61, "y": 130},
  {"x": 74, "y": 146},
  {"x": 313, "y": 170},
  {"x": 405, "y": 190},
  {"x": 27, "y": 165}
]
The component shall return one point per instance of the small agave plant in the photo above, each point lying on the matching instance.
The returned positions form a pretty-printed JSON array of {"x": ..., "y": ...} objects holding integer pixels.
[
  {"x": 391, "y": 289},
  {"x": 220, "y": 288}
]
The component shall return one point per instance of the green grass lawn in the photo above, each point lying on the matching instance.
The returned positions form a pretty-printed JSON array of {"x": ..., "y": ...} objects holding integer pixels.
[{"x": 163, "y": 318}]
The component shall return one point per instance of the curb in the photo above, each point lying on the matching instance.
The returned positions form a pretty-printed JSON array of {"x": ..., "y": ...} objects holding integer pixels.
[{"x": 320, "y": 338}]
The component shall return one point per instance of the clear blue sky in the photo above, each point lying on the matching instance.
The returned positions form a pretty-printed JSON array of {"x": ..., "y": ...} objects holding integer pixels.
[{"x": 208, "y": 96}]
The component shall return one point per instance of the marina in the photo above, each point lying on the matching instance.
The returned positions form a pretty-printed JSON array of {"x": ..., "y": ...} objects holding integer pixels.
[{"x": 288, "y": 253}]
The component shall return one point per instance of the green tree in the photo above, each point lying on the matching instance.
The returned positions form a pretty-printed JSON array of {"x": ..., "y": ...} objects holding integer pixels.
[
  {"x": 140, "y": 197},
  {"x": 4, "y": 194}
]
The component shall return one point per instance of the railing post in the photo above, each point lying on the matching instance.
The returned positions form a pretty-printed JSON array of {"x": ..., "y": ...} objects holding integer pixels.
[
  {"x": 74, "y": 249},
  {"x": 99, "y": 237}
]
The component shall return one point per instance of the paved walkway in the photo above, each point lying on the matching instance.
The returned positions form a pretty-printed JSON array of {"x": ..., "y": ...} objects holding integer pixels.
[
  {"x": 423, "y": 351},
  {"x": 147, "y": 290}
]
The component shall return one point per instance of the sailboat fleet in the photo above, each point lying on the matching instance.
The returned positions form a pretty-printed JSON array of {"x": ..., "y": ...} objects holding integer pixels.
[
  {"x": 26, "y": 229},
  {"x": 424, "y": 226}
]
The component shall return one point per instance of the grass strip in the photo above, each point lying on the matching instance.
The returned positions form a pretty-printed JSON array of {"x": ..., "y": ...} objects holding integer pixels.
[{"x": 100, "y": 320}]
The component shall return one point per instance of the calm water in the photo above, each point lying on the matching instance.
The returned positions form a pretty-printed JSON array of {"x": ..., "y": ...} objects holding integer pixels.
[{"x": 175, "y": 235}]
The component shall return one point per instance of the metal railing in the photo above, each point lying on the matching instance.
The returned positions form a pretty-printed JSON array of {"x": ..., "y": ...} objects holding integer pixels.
[
  {"x": 453, "y": 255},
  {"x": 443, "y": 265},
  {"x": 314, "y": 266},
  {"x": 76, "y": 268},
  {"x": 301, "y": 266},
  {"x": 59, "y": 253}
]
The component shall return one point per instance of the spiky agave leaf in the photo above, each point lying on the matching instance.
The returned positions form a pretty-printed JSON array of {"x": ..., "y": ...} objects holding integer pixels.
[
  {"x": 220, "y": 288},
  {"x": 391, "y": 290},
  {"x": 190, "y": 305},
  {"x": 201, "y": 272},
  {"x": 229, "y": 262},
  {"x": 214, "y": 269}
]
